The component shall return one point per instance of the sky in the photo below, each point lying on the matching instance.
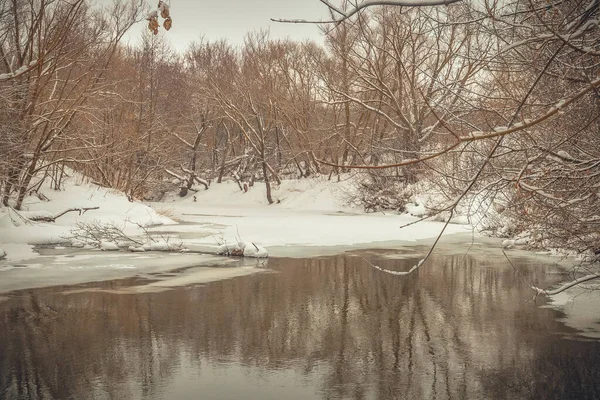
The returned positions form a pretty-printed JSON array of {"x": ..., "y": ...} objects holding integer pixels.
[{"x": 233, "y": 19}]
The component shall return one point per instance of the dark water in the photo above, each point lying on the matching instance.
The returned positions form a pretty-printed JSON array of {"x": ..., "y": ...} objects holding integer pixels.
[{"x": 328, "y": 328}]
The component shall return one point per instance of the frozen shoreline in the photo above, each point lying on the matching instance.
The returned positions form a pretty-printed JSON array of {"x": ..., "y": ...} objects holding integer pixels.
[{"x": 312, "y": 219}]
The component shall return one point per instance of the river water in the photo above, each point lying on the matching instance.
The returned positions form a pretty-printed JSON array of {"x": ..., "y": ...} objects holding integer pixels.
[{"x": 325, "y": 328}]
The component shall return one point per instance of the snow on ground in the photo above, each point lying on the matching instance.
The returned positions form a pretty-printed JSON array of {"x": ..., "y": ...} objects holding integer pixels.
[
  {"x": 581, "y": 308},
  {"x": 309, "y": 212},
  {"x": 17, "y": 251},
  {"x": 315, "y": 194},
  {"x": 309, "y": 217},
  {"x": 16, "y": 232}
]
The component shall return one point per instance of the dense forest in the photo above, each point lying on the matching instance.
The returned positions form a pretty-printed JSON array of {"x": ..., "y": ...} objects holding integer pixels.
[{"x": 494, "y": 105}]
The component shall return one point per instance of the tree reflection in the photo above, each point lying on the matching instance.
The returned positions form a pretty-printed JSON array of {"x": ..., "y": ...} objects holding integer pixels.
[{"x": 463, "y": 327}]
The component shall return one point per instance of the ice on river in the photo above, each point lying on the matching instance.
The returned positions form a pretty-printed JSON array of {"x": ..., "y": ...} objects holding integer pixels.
[{"x": 91, "y": 266}]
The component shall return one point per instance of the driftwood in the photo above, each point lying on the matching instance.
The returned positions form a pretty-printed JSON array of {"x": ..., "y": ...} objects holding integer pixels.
[{"x": 54, "y": 218}]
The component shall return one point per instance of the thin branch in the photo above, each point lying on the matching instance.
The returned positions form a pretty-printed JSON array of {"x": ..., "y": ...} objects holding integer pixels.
[{"x": 343, "y": 15}]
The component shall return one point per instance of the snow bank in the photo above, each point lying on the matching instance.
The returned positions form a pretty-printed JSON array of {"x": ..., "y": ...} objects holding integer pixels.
[
  {"x": 580, "y": 307},
  {"x": 14, "y": 252},
  {"x": 416, "y": 210},
  {"x": 317, "y": 194},
  {"x": 162, "y": 244},
  {"x": 114, "y": 208},
  {"x": 108, "y": 246},
  {"x": 311, "y": 212}
]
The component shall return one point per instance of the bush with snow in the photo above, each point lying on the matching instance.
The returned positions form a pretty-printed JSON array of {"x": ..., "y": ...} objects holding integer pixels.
[{"x": 376, "y": 192}]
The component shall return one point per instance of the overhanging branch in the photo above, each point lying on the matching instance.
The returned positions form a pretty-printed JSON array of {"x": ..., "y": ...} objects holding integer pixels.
[{"x": 343, "y": 15}]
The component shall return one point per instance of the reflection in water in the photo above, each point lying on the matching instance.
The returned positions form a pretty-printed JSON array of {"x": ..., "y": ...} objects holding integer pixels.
[{"x": 329, "y": 327}]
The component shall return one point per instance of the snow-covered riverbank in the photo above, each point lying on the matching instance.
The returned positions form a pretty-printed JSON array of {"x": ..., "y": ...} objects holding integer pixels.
[
  {"x": 309, "y": 212},
  {"x": 311, "y": 217}
]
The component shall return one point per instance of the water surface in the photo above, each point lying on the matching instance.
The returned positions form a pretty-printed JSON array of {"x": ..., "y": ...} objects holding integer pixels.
[{"x": 325, "y": 328}]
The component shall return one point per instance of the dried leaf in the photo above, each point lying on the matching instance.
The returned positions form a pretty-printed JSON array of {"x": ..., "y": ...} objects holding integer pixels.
[
  {"x": 164, "y": 9},
  {"x": 153, "y": 24}
]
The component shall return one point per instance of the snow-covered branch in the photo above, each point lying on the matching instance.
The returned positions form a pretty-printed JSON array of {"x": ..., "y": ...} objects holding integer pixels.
[
  {"x": 565, "y": 286},
  {"x": 345, "y": 14}
]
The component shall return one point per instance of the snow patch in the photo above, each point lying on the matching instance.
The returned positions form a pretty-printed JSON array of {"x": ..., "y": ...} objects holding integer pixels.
[
  {"x": 17, "y": 252},
  {"x": 580, "y": 306},
  {"x": 108, "y": 246},
  {"x": 114, "y": 208},
  {"x": 416, "y": 210},
  {"x": 255, "y": 251}
]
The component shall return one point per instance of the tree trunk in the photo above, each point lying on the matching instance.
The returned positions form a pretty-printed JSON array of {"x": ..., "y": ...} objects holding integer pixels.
[
  {"x": 267, "y": 183},
  {"x": 226, "y": 152},
  {"x": 13, "y": 176},
  {"x": 26, "y": 180}
]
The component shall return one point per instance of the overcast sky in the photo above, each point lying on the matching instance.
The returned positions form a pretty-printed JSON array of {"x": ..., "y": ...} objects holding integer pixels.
[{"x": 232, "y": 19}]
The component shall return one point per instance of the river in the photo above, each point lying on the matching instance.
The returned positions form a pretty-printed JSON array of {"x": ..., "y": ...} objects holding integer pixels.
[{"x": 329, "y": 327}]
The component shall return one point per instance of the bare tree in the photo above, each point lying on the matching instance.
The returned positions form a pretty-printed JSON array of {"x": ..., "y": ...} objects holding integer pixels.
[
  {"x": 54, "y": 56},
  {"x": 528, "y": 126}
]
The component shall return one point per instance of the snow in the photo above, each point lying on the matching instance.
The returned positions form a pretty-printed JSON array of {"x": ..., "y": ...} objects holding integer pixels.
[
  {"x": 36, "y": 214},
  {"x": 255, "y": 251},
  {"x": 522, "y": 241},
  {"x": 580, "y": 308},
  {"x": 249, "y": 249},
  {"x": 307, "y": 212},
  {"x": 20, "y": 71},
  {"x": 156, "y": 246},
  {"x": 317, "y": 194},
  {"x": 95, "y": 265},
  {"x": 416, "y": 210},
  {"x": 230, "y": 249},
  {"x": 17, "y": 251},
  {"x": 114, "y": 208},
  {"x": 108, "y": 246},
  {"x": 135, "y": 249},
  {"x": 309, "y": 217},
  {"x": 508, "y": 243}
]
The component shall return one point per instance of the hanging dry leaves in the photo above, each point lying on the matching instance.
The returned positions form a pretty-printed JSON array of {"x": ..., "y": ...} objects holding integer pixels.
[
  {"x": 164, "y": 9},
  {"x": 152, "y": 18},
  {"x": 153, "y": 22}
]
